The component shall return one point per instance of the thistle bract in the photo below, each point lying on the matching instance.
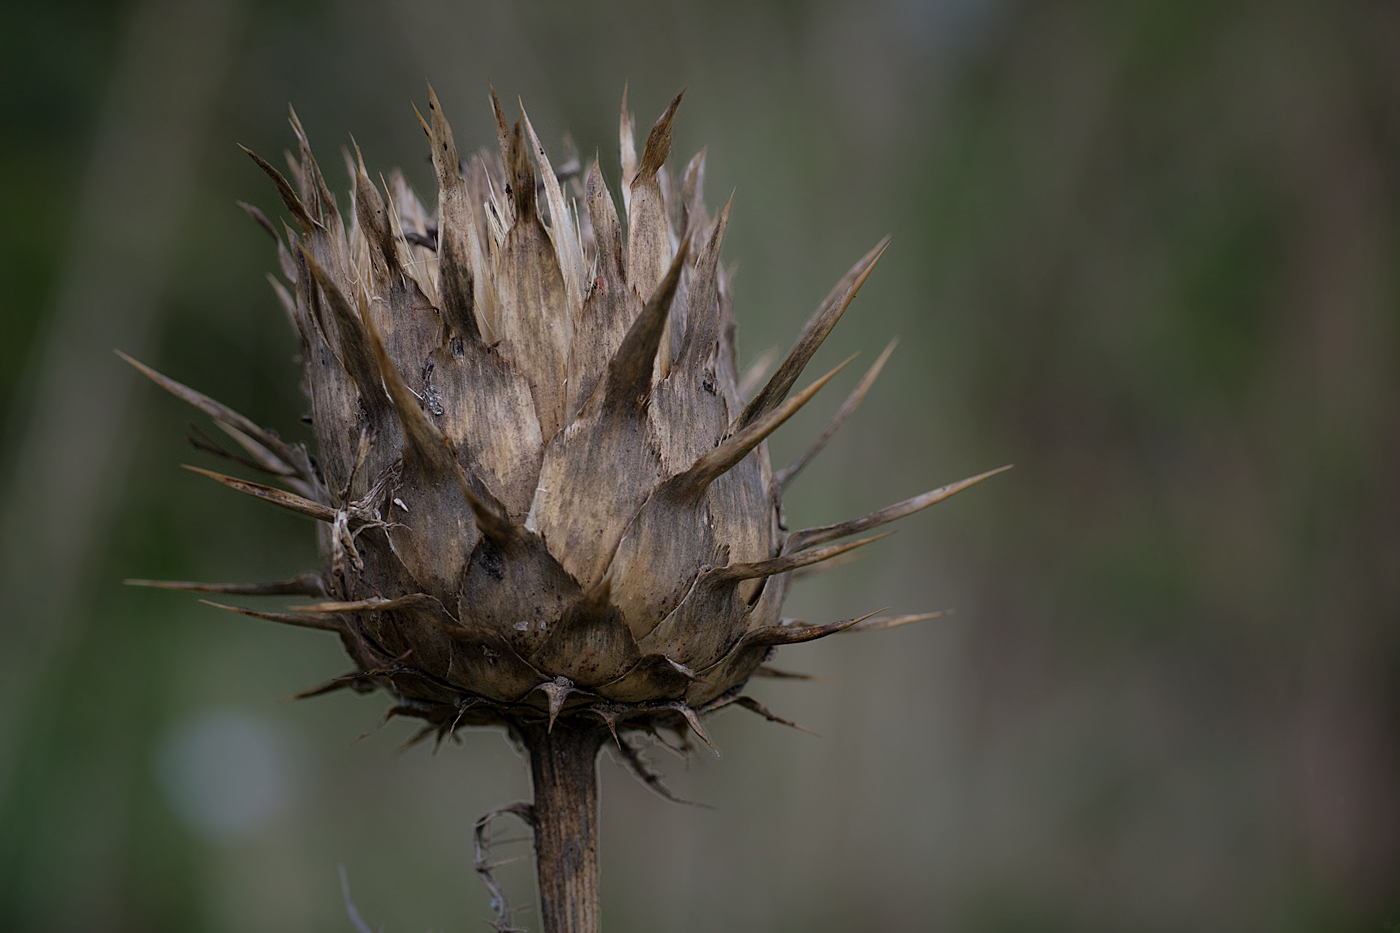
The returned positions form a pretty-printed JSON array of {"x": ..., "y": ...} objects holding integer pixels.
[{"x": 539, "y": 489}]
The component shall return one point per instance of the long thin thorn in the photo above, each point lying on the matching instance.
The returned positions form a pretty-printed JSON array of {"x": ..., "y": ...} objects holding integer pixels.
[
  {"x": 786, "y": 562},
  {"x": 753, "y": 706},
  {"x": 793, "y": 634},
  {"x": 376, "y": 604},
  {"x": 629, "y": 372},
  {"x": 884, "y": 622},
  {"x": 292, "y": 457},
  {"x": 693, "y": 720},
  {"x": 658, "y": 144},
  {"x": 810, "y": 536},
  {"x": 813, "y": 333},
  {"x": 778, "y": 674},
  {"x": 307, "y": 584},
  {"x": 287, "y": 500},
  {"x": 284, "y": 189},
  {"x": 716, "y": 461},
  {"x": 848, "y": 407},
  {"x": 324, "y": 622}
]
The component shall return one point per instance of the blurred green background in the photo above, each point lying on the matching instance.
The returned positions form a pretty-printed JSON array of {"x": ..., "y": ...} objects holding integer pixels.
[{"x": 1147, "y": 251}]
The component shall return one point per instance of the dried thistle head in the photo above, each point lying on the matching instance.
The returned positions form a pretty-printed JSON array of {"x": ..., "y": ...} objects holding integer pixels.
[{"x": 539, "y": 490}]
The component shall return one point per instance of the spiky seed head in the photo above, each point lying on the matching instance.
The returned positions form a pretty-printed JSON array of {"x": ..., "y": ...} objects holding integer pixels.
[{"x": 539, "y": 491}]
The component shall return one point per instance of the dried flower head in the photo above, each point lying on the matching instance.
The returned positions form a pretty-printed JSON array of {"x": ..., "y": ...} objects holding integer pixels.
[{"x": 540, "y": 491}]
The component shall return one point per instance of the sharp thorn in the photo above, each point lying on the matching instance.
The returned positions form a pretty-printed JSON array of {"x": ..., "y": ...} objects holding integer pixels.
[
  {"x": 884, "y": 622},
  {"x": 753, "y": 706},
  {"x": 718, "y": 460},
  {"x": 786, "y": 562},
  {"x": 326, "y": 623},
  {"x": 693, "y": 720},
  {"x": 307, "y": 584},
  {"x": 795, "y": 634},
  {"x": 287, "y": 500},
  {"x": 813, "y": 333},
  {"x": 848, "y": 407},
  {"x": 630, "y": 370},
  {"x": 810, "y": 536}
]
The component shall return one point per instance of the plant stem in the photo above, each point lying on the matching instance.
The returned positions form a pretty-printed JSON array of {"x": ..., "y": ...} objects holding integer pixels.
[{"x": 564, "y": 770}]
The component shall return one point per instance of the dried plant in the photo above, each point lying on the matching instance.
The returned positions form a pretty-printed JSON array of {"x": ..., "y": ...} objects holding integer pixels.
[{"x": 542, "y": 500}]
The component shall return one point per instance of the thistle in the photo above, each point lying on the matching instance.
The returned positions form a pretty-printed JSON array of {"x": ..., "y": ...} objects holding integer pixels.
[{"x": 542, "y": 499}]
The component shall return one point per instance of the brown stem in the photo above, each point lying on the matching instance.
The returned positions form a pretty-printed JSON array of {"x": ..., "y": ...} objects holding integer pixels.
[{"x": 564, "y": 769}]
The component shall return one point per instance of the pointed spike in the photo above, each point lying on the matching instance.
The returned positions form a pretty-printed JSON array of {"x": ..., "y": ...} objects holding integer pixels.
[
  {"x": 372, "y": 211},
  {"x": 317, "y": 182},
  {"x": 693, "y": 191},
  {"x": 567, "y": 248},
  {"x": 693, "y": 720},
  {"x": 810, "y": 536},
  {"x": 463, "y": 285},
  {"x": 502, "y": 128},
  {"x": 813, "y": 333},
  {"x": 658, "y": 145},
  {"x": 284, "y": 189},
  {"x": 325, "y": 623},
  {"x": 306, "y": 584},
  {"x": 786, "y": 562},
  {"x": 344, "y": 681},
  {"x": 203, "y": 442},
  {"x": 753, "y": 706},
  {"x": 440, "y": 132},
  {"x": 629, "y": 372},
  {"x": 795, "y": 634},
  {"x": 374, "y": 604},
  {"x": 521, "y": 174},
  {"x": 772, "y": 672},
  {"x": 359, "y": 158},
  {"x": 607, "y": 229},
  {"x": 703, "y": 320},
  {"x": 294, "y": 458},
  {"x": 609, "y": 718},
  {"x": 715, "y": 462},
  {"x": 264, "y": 459},
  {"x": 884, "y": 622},
  {"x": 848, "y": 407},
  {"x": 557, "y": 691},
  {"x": 286, "y": 500},
  {"x": 260, "y": 219}
]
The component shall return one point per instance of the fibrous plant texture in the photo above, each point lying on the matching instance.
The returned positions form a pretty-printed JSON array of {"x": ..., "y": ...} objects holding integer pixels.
[{"x": 542, "y": 498}]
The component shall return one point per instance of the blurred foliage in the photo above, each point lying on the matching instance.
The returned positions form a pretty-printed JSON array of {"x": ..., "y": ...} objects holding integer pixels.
[{"x": 1145, "y": 250}]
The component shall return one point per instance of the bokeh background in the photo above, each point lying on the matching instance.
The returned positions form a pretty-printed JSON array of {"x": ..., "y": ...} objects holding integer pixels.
[{"x": 1146, "y": 250}]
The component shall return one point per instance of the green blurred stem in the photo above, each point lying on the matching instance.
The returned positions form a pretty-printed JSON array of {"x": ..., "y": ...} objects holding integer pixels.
[{"x": 564, "y": 770}]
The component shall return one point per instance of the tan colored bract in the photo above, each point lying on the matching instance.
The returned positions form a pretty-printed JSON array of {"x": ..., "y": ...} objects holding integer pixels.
[{"x": 539, "y": 492}]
